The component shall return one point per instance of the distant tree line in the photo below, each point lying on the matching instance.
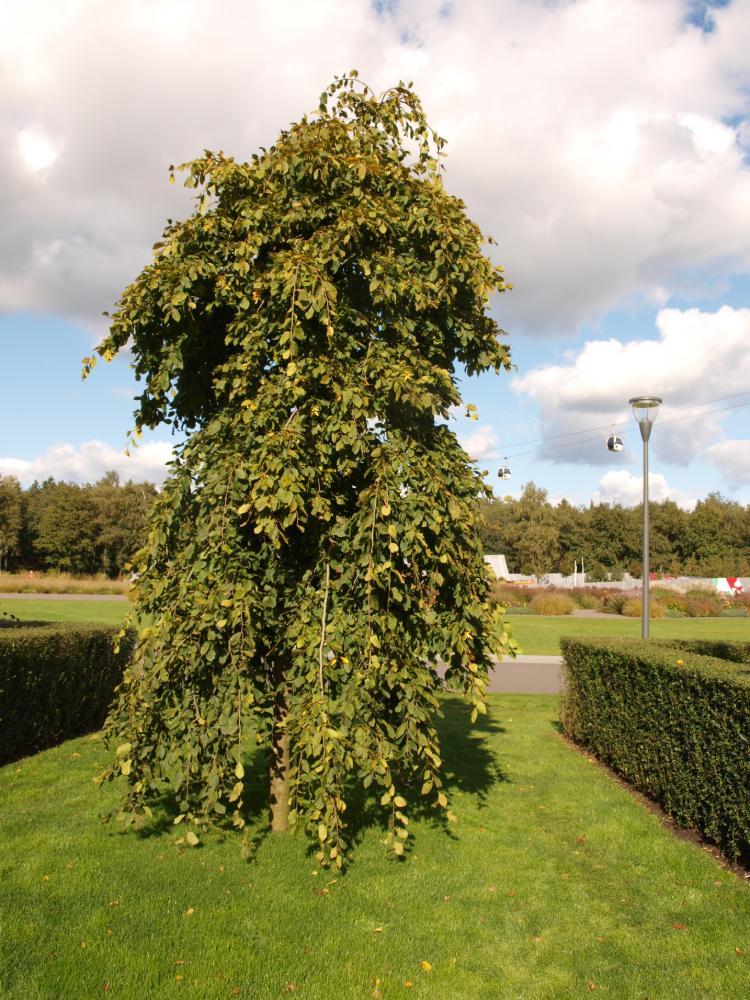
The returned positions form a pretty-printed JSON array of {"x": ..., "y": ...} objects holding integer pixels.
[
  {"x": 538, "y": 537},
  {"x": 69, "y": 528},
  {"x": 97, "y": 528}
]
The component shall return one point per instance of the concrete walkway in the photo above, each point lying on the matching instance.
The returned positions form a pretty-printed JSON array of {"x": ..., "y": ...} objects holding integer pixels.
[{"x": 528, "y": 675}]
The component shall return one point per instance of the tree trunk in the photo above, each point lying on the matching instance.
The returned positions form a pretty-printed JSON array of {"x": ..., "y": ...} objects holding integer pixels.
[{"x": 279, "y": 764}]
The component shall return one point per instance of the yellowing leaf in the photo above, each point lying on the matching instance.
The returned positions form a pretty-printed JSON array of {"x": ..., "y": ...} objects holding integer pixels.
[
  {"x": 226, "y": 603},
  {"x": 239, "y": 770},
  {"x": 126, "y": 767},
  {"x": 322, "y": 832},
  {"x": 191, "y": 838},
  {"x": 123, "y": 749},
  {"x": 399, "y": 801},
  {"x": 385, "y": 509}
]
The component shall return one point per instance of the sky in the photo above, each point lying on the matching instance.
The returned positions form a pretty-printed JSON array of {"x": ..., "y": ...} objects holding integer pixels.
[{"x": 604, "y": 145}]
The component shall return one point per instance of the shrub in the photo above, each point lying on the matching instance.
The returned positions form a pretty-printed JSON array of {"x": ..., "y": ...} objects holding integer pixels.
[
  {"x": 702, "y": 604},
  {"x": 519, "y": 609},
  {"x": 552, "y": 604},
  {"x": 672, "y": 600},
  {"x": 507, "y": 596},
  {"x": 613, "y": 601},
  {"x": 56, "y": 682},
  {"x": 735, "y": 612},
  {"x": 60, "y": 583},
  {"x": 633, "y": 608},
  {"x": 588, "y": 601},
  {"x": 672, "y": 722}
]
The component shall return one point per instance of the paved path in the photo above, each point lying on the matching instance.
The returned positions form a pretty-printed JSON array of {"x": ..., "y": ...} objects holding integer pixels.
[
  {"x": 527, "y": 675},
  {"x": 63, "y": 597}
]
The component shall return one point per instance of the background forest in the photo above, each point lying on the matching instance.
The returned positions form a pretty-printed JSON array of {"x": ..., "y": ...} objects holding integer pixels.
[
  {"x": 69, "y": 528},
  {"x": 57, "y": 526},
  {"x": 538, "y": 537}
]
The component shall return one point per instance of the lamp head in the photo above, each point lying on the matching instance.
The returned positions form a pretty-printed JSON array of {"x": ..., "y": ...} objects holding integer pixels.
[{"x": 645, "y": 409}]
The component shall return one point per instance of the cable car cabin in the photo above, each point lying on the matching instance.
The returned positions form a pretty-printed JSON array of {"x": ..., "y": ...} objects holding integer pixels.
[
  {"x": 503, "y": 472},
  {"x": 615, "y": 442}
]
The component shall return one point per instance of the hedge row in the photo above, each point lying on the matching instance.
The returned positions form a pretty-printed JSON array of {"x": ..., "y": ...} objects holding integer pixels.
[
  {"x": 673, "y": 722},
  {"x": 56, "y": 682}
]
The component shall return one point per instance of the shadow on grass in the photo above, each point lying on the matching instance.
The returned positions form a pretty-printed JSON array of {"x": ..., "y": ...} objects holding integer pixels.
[
  {"x": 470, "y": 766},
  {"x": 255, "y": 808}
]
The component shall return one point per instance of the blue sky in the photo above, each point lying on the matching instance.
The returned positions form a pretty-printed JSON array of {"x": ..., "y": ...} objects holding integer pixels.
[{"x": 618, "y": 190}]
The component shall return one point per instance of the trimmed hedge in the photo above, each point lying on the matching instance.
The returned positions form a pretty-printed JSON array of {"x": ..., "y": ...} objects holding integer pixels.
[
  {"x": 677, "y": 731},
  {"x": 56, "y": 682}
]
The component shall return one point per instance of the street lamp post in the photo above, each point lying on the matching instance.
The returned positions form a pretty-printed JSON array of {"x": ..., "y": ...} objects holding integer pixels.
[{"x": 645, "y": 409}]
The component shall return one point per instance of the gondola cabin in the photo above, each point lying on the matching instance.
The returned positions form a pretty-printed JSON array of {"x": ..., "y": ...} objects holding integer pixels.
[
  {"x": 615, "y": 442},
  {"x": 503, "y": 472}
]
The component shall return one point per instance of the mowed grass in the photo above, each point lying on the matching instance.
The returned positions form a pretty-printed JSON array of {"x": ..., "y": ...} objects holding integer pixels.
[
  {"x": 55, "y": 610},
  {"x": 554, "y": 883},
  {"x": 539, "y": 634},
  {"x": 534, "y": 633}
]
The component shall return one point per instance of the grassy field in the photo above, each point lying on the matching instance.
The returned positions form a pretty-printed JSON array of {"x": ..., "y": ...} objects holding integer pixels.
[
  {"x": 536, "y": 634},
  {"x": 39, "y": 609},
  {"x": 554, "y": 883}
]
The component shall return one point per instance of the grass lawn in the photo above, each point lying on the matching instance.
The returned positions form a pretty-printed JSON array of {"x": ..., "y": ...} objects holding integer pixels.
[
  {"x": 554, "y": 882},
  {"x": 541, "y": 634},
  {"x": 535, "y": 633},
  {"x": 39, "y": 609}
]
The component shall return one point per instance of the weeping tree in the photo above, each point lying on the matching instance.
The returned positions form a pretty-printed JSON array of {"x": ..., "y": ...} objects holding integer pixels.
[{"x": 314, "y": 551}]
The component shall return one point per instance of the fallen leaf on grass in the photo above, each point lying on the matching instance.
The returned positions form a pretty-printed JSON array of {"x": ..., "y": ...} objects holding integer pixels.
[
  {"x": 739, "y": 951},
  {"x": 290, "y": 988},
  {"x": 592, "y": 986},
  {"x": 189, "y": 911},
  {"x": 377, "y": 930},
  {"x": 580, "y": 840},
  {"x": 235, "y": 991},
  {"x": 446, "y": 898},
  {"x": 179, "y": 961},
  {"x": 408, "y": 984},
  {"x": 679, "y": 927},
  {"x": 45, "y": 878},
  {"x": 105, "y": 987},
  {"x": 113, "y": 903},
  {"x": 492, "y": 888},
  {"x": 179, "y": 979},
  {"x": 426, "y": 965}
]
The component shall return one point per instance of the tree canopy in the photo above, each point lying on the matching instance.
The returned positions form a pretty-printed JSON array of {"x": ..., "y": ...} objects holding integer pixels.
[{"x": 314, "y": 552}]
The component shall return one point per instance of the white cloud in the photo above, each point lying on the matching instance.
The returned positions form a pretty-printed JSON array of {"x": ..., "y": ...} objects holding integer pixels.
[
  {"x": 36, "y": 149},
  {"x": 696, "y": 357},
  {"x": 88, "y": 463},
  {"x": 480, "y": 442},
  {"x": 733, "y": 459},
  {"x": 624, "y": 488},
  {"x": 604, "y": 176}
]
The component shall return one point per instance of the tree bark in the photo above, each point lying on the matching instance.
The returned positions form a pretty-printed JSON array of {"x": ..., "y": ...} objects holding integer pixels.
[{"x": 279, "y": 763}]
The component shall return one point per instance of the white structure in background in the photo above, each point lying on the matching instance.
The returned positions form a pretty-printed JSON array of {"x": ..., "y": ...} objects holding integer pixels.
[
  {"x": 732, "y": 586},
  {"x": 498, "y": 565}
]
